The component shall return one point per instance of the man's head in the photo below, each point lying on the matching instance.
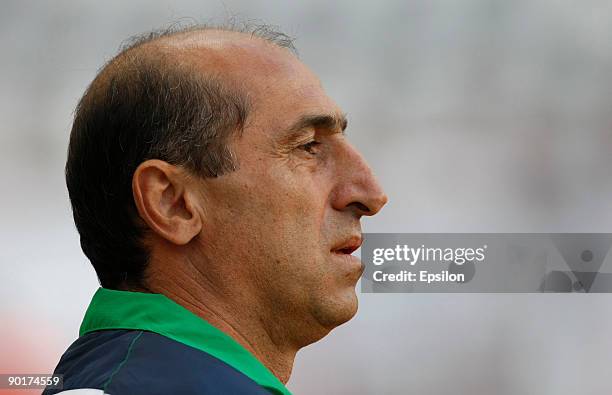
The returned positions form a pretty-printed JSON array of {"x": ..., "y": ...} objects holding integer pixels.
[{"x": 217, "y": 154}]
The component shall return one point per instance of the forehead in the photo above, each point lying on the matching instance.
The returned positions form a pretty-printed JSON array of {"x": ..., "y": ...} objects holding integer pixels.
[
  {"x": 282, "y": 90},
  {"x": 279, "y": 86}
]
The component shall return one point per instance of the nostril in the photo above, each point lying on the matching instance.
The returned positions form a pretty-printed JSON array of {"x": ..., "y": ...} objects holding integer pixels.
[{"x": 361, "y": 207}]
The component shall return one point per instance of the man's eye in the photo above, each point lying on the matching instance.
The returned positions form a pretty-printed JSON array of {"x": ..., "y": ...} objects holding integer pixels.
[{"x": 310, "y": 147}]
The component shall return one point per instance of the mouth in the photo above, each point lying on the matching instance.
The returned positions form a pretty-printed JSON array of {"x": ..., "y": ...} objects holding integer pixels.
[
  {"x": 350, "y": 265},
  {"x": 348, "y": 246}
]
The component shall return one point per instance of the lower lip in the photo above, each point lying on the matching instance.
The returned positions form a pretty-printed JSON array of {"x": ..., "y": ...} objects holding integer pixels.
[{"x": 348, "y": 259}]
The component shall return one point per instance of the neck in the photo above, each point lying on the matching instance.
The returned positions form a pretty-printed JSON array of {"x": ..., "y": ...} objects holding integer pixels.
[{"x": 234, "y": 313}]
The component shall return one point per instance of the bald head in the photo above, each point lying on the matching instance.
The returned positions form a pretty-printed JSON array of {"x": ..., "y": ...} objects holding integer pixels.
[
  {"x": 214, "y": 51},
  {"x": 175, "y": 95},
  {"x": 224, "y": 54}
]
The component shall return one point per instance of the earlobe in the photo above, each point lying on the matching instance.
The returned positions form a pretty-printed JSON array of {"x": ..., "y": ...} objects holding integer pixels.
[{"x": 163, "y": 199}]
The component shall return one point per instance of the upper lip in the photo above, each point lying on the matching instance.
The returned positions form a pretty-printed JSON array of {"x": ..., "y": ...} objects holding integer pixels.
[{"x": 349, "y": 245}]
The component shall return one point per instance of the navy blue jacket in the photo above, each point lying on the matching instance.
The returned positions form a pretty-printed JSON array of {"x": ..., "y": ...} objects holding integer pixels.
[{"x": 129, "y": 362}]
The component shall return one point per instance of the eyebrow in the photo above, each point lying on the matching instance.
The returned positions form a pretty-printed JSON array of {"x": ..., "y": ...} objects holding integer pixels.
[{"x": 319, "y": 121}]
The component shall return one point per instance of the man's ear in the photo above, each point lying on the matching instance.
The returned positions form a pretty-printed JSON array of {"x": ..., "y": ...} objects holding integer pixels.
[{"x": 165, "y": 202}]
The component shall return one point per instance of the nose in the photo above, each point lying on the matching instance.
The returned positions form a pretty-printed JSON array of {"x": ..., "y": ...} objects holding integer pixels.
[{"x": 357, "y": 189}]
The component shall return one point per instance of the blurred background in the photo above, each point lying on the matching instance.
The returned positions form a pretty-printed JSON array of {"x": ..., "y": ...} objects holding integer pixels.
[{"x": 477, "y": 116}]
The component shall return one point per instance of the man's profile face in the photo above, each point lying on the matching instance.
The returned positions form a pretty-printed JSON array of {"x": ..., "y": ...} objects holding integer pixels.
[{"x": 288, "y": 218}]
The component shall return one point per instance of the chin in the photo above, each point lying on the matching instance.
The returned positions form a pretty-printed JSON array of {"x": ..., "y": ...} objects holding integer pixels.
[
  {"x": 329, "y": 312},
  {"x": 338, "y": 310}
]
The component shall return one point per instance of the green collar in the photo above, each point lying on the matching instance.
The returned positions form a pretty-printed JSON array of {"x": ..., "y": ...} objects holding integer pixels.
[{"x": 110, "y": 309}]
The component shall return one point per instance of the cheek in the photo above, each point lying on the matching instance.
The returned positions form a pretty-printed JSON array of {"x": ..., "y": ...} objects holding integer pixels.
[
  {"x": 292, "y": 195},
  {"x": 275, "y": 216},
  {"x": 276, "y": 206}
]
